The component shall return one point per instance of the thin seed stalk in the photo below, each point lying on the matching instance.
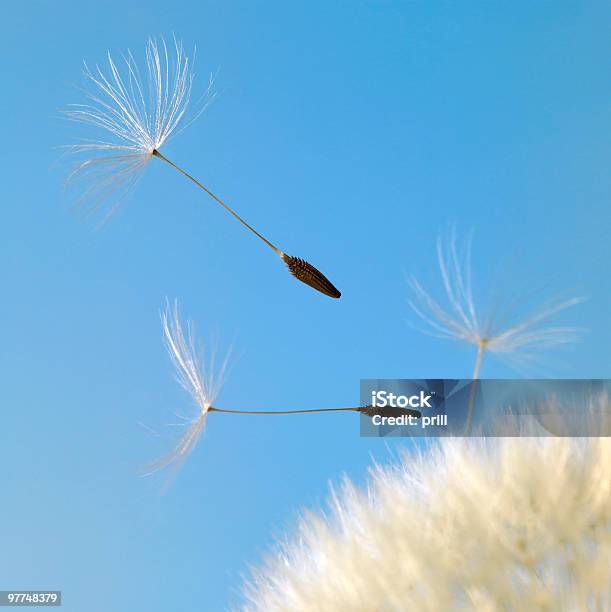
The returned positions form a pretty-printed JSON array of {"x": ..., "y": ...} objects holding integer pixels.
[
  {"x": 229, "y": 411},
  {"x": 481, "y": 349},
  {"x": 366, "y": 410},
  {"x": 278, "y": 252},
  {"x": 299, "y": 268}
]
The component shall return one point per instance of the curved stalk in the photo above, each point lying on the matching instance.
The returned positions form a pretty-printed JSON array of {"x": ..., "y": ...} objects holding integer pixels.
[
  {"x": 366, "y": 410},
  {"x": 227, "y": 410}
]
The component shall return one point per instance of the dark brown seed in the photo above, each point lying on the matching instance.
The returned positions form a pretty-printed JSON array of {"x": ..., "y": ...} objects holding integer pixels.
[
  {"x": 309, "y": 275},
  {"x": 389, "y": 411}
]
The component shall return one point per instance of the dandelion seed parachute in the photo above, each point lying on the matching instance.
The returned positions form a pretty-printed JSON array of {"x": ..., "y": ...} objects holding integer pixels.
[
  {"x": 140, "y": 115},
  {"x": 133, "y": 115},
  {"x": 200, "y": 378},
  {"x": 515, "y": 339}
]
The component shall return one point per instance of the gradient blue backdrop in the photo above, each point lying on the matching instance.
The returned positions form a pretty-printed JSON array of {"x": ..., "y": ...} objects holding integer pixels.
[{"x": 351, "y": 133}]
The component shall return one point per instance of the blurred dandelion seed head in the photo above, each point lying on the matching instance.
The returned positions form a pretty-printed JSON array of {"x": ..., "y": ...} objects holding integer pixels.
[
  {"x": 134, "y": 113},
  {"x": 514, "y": 335},
  {"x": 470, "y": 524},
  {"x": 201, "y": 378}
]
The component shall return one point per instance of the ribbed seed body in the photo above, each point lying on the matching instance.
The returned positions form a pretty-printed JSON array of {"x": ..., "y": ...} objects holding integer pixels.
[
  {"x": 389, "y": 411},
  {"x": 309, "y": 275}
]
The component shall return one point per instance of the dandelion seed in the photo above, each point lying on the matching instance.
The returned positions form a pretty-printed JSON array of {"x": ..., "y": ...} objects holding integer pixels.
[
  {"x": 469, "y": 524},
  {"x": 203, "y": 381},
  {"x": 138, "y": 115},
  {"x": 460, "y": 321}
]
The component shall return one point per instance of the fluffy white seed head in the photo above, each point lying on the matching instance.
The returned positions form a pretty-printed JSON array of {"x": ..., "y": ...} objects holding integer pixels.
[
  {"x": 470, "y": 524},
  {"x": 516, "y": 336},
  {"x": 201, "y": 378},
  {"x": 131, "y": 113}
]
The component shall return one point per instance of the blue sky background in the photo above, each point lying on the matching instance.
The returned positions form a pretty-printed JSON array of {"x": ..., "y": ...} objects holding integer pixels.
[{"x": 351, "y": 133}]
